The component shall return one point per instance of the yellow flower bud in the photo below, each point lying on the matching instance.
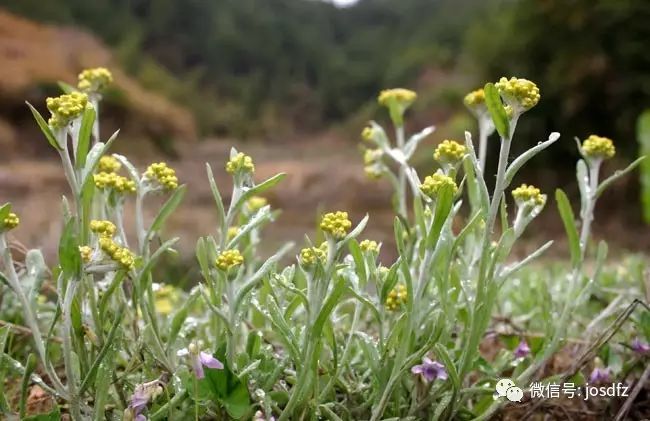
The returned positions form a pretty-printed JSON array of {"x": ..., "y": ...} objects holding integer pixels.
[
  {"x": 240, "y": 163},
  {"x": 86, "y": 253},
  {"x": 94, "y": 80},
  {"x": 232, "y": 232},
  {"x": 108, "y": 164},
  {"x": 256, "y": 203},
  {"x": 433, "y": 183},
  {"x": 336, "y": 224},
  {"x": 10, "y": 222},
  {"x": 369, "y": 246},
  {"x": 103, "y": 228},
  {"x": 521, "y": 94},
  {"x": 309, "y": 256},
  {"x": 66, "y": 108},
  {"x": 475, "y": 99},
  {"x": 163, "y": 175},
  {"x": 228, "y": 259},
  {"x": 403, "y": 97},
  {"x": 598, "y": 147},
  {"x": 526, "y": 194},
  {"x": 396, "y": 298},
  {"x": 449, "y": 151}
]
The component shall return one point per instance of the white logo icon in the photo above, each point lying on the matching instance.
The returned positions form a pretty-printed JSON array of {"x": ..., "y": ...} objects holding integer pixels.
[{"x": 506, "y": 388}]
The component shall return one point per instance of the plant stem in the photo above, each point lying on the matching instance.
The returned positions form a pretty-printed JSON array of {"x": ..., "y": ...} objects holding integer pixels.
[{"x": 401, "y": 193}]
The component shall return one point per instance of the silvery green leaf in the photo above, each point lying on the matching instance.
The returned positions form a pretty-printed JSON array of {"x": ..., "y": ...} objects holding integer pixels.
[
  {"x": 382, "y": 139},
  {"x": 97, "y": 151},
  {"x": 414, "y": 141},
  {"x": 262, "y": 216},
  {"x": 130, "y": 168},
  {"x": 479, "y": 179},
  {"x": 355, "y": 232},
  {"x": 509, "y": 270},
  {"x": 221, "y": 213},
  {"x": 618, "y": 174},
  {"x": 582, "y": 175},
  {"x": 233, "y": 152},
  {"x": 497, "y": 110},
  {"x": 166, "y": 210},
  {"x": 526, "y": 156},
  {"x": 257, "y": 277}
]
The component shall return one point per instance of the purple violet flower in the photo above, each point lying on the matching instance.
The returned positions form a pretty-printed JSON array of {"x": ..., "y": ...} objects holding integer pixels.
[
  {"x": 199, "y": 359},
  {"x": 600, "y": 375},
  {"x": 522, "y": 349},
  {"x": 640, "y": 347},
  {"x": 430, "y": 370},
  {"x": 142, "y": 395}
]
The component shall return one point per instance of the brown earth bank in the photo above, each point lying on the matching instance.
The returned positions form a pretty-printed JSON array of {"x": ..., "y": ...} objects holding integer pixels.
[{"x": 34, "y": 57}]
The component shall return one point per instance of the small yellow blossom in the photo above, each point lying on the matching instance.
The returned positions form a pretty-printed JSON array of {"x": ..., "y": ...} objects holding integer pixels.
[
  {"x": 475, "y": 98},
  {"x": 86, "y": 253},
  {"x": 240, "y": 162},
  {"x": 106, "y": 180},
  {"x": 256, "y": 203},
  {"x": 10, "y": 222},
  {"x": 368, "y": 133},
  {"x": 373, "y": 172},
  {"x": 598, "y": 147},
  {"x": 396, "y": 298},
  {"x": 118, "y": 254},
  {"x": 66, "y": 108},
  {"x": 336, "y": 224},
  {"x": 403, "y": 97},
  {"x": 372, "y": 156},
  {"x": 521, "y": 94},
  {"x": 228, "y": 259},
  {"x": 433, "y": 183},
  {"x": 369, "y": 246},
  {"x": 232, "y": 232},
  {"x": 108, "y": 164},
  {"x": 94, "y": 80},
  {"x": 166, "y": 298},
  {"x": 103, "y": 228},
  {"x": 526, "y": 194},
  {"x": 163, "y": 175},
  {"x": 449, "y": 151},
  {"x": 310, "y": 255}
]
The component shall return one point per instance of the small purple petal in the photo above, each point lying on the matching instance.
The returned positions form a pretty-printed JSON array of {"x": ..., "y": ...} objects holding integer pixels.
[
  {"x": 427, "y": 361},
  {"x": 417, "y": 369},
  {"x": 209, "y": 361},
  {"x": 441, "y": 373},
  {"x": 522, "y": 350},
  {"x": 599, "y": 375},
  {"x": 140, "y": 417},
  {"x": 197, "y": 366},
  {"x": 640, "y": 347},
  {"x": 139, "y": 400}
]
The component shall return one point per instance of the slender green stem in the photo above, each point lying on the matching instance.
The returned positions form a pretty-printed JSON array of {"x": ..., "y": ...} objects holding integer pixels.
[{"x": 401, "y": 193}]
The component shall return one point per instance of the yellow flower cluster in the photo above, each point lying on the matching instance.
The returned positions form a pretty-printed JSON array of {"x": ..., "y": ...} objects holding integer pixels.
[
  {"x": 240, "y": 162},
  {"x": 165, "y": 299},
  {"x": 449, "y": 151},
  {"x": 433, "y": 183},
  {"x": 368, "y": 133},
  {"x": 522, "y": 92},
  {"x": 232, "y": 233},
  {"x": 396, "y": 298},
  {"x": 10, "y": 222},
  {"x": 529, "y": 194},
  {"x": 336, "y": 224},
  {"x": 108, "y": 164},
  {"x": 256, "y": 203},
  {"x": 475, "y": 98},
  {"x": 163, "y": 174},
  {"x": 598, "y": 147},
  {"x": 66, "y": 108},
  {"x": 399, "y": 96},
  {"x": 86, "y": 253},
  {"x": 228, "y": 259},
  {"x": 369, "y": 246},
  {"x": 103, "y": 228},
  {"x": 310, "y": 255},
  {"x": 94, "y": 80},
  {"x": 106, "y": 180},
  {"x": 372, "y": 156},
  {"x": 121, "y": 255}
]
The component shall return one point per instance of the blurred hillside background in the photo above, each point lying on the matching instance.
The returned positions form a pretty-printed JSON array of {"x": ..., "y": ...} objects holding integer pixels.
[{"x": 292, "y": 83}]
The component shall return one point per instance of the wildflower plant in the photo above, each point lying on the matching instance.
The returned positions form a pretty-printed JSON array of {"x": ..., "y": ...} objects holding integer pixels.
[{"x": 324, "y": 331}]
